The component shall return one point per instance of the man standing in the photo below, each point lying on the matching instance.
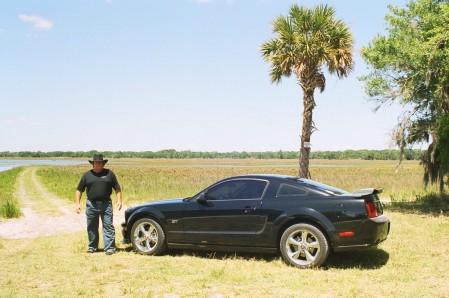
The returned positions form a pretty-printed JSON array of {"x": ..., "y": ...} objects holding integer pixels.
[{"x": 99, "y": 183}]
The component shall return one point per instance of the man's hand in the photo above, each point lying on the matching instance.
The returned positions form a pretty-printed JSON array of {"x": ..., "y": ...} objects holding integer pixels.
[
  {"x": 118, "y": 192},
  {"x": 78, "y": 201}
]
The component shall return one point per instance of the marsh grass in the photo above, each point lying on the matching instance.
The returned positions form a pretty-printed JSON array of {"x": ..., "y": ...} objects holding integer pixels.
[
  {"x": 412, "y": 262},
  {"x": 9, "y": 204},
  {"x": 430, "y": 203},
  {"x": 147, "y": 180},
  {"x": 61, "y": 180}
]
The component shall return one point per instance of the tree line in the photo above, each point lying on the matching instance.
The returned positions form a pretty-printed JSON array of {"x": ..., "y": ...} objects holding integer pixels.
[{"x": 387, "y": 154}]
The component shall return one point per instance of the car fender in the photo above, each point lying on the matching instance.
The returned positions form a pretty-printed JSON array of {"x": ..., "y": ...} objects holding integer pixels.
[
  {"x": 308, "y": 215},
  {"x": 150, "y": 212}
]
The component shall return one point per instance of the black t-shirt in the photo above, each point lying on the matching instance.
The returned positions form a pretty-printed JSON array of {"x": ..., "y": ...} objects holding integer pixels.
[{"x": 99, "y": 185}]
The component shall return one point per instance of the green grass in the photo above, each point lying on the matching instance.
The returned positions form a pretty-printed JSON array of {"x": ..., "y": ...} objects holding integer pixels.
[
  {"x": 412, "y": 262},
  {"x": 9, "y": 205},
  {"x": 37, "y": 200}
]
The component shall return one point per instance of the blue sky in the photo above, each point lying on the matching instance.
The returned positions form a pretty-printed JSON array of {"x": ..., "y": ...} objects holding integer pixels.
[{"x": 173, "y": 74}]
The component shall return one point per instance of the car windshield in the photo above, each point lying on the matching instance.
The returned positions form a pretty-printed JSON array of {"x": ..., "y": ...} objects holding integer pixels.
[{"x": 323, "y": 187}]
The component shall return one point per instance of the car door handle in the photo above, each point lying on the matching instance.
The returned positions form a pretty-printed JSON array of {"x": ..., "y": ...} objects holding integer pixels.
[{"x": 249, "y": 209}]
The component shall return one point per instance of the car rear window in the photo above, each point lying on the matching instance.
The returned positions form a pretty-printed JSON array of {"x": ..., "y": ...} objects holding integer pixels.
[
  {"x": 323, "y": 187},
  {"x": 288, "y": 190}
]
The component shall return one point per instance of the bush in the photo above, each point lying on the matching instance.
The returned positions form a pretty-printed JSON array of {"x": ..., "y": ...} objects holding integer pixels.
[
  {"x": 10, "y": 209},
  {"x": 9, "y": 206}
]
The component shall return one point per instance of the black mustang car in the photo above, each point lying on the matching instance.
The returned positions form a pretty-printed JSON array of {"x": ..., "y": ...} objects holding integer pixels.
[{"x": 301, "y": 218}]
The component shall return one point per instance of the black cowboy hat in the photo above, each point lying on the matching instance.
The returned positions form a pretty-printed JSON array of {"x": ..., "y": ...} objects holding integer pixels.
[{"x": 98, "y": 157}]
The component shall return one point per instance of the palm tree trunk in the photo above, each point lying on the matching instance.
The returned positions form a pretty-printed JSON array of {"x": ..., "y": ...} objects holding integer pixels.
[{"x": 304, "y": 151}]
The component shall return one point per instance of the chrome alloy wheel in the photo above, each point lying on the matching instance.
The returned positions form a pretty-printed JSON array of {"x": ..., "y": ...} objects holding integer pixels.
[
  {"x": 304, "y": 246},
  {"x": 147, "y": 237}
]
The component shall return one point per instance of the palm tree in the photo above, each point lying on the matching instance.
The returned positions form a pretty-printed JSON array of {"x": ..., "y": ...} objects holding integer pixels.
[{"x": 305, "y": 41}]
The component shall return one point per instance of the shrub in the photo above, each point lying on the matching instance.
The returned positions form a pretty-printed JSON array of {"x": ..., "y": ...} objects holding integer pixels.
[
  {"x": 10, "y": 209},
  {"x": 9, "y": 206}
]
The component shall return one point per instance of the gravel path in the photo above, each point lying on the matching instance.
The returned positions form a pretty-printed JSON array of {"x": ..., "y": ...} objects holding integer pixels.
[{"x": 33, "y": 224}]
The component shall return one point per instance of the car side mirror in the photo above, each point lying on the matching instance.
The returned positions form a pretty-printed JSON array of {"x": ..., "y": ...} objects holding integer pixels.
[{"x": 202, "y": 199}]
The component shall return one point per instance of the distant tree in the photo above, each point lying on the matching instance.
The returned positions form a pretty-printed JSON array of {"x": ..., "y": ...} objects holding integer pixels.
[
  {"x": 305, "y": 41},
  {"x": 410, "y": 65}
]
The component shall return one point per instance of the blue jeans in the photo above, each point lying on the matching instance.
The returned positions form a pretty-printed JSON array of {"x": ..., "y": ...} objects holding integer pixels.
[{"x": 95, "y": 211}]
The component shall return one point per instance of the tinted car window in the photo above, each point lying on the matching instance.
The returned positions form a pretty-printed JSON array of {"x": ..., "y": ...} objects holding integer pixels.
[
  {"x": 237, "y": 190},
  {"x": 287, "y": 190},
  {"x": 330, "y": 190}
]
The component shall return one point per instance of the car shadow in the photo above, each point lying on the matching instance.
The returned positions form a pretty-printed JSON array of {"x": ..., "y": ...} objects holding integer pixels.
[
  {"x": 219, "y": 255},
  {"x": 365, "y": 259},
  {"x": 126, "y": 248}
]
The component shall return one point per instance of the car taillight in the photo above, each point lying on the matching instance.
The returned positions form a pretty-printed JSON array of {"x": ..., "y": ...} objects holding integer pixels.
[{"x": 371, "y": 208}]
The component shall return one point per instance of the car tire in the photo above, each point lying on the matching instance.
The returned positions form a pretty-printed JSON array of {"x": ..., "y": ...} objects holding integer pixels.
[
  {"x": 304, "y": 246},
  {"x": 147, "y": 237}
]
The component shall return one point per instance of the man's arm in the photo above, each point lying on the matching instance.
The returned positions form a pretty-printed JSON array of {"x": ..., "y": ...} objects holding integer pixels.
[
  {"x": 77, "y": 201},
  {"x": 118, "y": 192}
]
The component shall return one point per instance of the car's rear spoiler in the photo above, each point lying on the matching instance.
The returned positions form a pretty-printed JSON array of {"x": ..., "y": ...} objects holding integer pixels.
[{"x": 367, "y": 191}]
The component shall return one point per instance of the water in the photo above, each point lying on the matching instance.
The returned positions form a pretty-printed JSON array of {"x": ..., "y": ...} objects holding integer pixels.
[{"x": 8, "y": 164}]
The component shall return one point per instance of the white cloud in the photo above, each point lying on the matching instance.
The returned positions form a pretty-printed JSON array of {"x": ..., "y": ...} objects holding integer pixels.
[{"x": 37, "y": 21}]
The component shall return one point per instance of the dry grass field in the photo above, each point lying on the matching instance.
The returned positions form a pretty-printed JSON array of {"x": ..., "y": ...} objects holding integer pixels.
[
  {"x": 151, "y": 179},
  {"x": 412, "y": 262}
]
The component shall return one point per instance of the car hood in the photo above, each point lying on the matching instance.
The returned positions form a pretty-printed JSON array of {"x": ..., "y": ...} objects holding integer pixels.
[{"x": 159, "y": 202}]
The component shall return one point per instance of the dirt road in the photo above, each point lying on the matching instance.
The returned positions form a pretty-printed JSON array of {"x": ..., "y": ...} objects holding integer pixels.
[{"x": 35, "y": 223}]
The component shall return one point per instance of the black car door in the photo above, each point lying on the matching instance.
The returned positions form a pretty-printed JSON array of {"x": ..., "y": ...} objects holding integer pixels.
[{"x": 226, "y": 214}]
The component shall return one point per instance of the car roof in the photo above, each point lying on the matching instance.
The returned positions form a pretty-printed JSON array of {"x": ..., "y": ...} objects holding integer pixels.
[
  {"x": 266, "y": 176},
  {"x": 305, "y": 182}
]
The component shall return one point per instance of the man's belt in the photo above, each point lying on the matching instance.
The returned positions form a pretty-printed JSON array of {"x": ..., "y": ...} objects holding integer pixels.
[{"x": 100, "y": 201}]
